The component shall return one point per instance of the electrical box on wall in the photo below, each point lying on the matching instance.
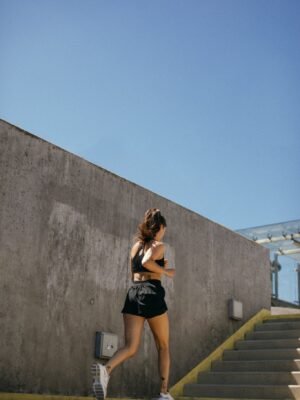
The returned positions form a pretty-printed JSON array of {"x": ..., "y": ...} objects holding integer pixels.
[
  {"x": 106, "y": 344},
  {"x": 235, "y": 309}
]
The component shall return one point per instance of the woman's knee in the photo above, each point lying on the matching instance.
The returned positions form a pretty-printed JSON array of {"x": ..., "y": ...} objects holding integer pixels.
[{"x": 163, "y": 346}]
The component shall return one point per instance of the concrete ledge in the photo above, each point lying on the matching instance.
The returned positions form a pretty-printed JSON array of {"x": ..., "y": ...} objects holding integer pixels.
[
  {"x": 31, "y": 396},
  {"x": 205, "y": 365}
]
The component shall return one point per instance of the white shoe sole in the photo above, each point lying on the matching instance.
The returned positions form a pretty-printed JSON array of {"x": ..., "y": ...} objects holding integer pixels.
[{"x": 97, "y": 386}]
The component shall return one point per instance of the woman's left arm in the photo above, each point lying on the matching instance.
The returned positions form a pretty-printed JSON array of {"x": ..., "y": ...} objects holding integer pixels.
[{"x": 130, "y": 263}]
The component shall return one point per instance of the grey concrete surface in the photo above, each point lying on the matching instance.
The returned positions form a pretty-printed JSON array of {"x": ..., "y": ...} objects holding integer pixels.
[{"x": 66, "y": 228}]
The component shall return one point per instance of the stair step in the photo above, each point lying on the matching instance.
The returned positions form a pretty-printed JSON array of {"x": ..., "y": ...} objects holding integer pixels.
[
  {"x": 261, "y": 354},
  {"x": 269, "y": 326},
  {"x": 256, "y": 365},
  {"x": 283, "y": 334},
  {"x": 265, "y": 365},
  {"x": 250, "y": 378},
  {"x": 243, "y": 391},
  {"x": 267, "y": 344},
  {"x": 279, "y": 320}
]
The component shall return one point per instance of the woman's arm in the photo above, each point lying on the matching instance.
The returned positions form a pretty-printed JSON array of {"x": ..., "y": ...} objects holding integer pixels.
[
  {"x": 151, "y": 254},
  {"x": 130, "y": 261}
]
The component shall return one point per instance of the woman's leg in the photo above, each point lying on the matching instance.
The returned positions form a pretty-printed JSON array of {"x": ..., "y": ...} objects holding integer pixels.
[
  {"x": 133, "y": 328},
  {"x": 160, "y": 328}
]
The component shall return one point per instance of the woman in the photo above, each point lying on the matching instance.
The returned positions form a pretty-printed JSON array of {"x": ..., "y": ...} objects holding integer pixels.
[{"x": 144, "y": 300}]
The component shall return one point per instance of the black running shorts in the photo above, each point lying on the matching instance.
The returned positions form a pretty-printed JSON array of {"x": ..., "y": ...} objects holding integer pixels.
[{"x": 145, "y": 298}]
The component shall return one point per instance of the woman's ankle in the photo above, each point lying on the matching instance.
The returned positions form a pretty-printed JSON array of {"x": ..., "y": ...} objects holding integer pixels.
[
  {"x": 164, "y": 391},
  {"x": 108, "y": 369}
]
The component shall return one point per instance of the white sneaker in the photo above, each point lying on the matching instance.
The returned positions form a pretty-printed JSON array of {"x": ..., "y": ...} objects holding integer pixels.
[
  {"x": 164, "y": 396},
  {"x": 100, "y": 380}
]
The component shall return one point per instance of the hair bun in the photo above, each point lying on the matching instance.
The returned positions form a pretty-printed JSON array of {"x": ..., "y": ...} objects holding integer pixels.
[{"x": 151, "y": 211}]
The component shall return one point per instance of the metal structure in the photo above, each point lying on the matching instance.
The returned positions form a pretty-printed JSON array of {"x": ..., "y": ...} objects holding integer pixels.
[{"x": 282, "y": 239}]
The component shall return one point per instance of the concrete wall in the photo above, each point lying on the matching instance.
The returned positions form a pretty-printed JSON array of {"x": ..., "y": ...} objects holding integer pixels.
[{"x": 66, "y": 228}]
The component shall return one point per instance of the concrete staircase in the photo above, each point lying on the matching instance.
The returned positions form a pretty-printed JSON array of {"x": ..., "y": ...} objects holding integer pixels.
[{"x": 265, "y": 365}]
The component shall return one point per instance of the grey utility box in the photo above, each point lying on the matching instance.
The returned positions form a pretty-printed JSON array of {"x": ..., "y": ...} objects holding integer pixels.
[
  {"x": 106, "y": 344},
  {"x": 235, "y": 309}
]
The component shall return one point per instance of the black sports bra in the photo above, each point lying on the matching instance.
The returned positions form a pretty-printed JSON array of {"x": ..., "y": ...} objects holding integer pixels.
[{"x": 136, "y": 262}]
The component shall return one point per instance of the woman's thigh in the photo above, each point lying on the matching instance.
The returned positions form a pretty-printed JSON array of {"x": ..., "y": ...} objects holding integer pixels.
[
  {"x": 159, "y": 326},
  {"x": 133, "y": 328}
]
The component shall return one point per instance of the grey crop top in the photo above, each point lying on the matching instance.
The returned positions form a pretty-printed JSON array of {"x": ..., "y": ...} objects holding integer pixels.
[{"x": 136, "y": 262}]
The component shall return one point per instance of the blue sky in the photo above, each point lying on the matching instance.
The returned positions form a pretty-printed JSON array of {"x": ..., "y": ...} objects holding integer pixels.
[{"x": 195, "y": 100}]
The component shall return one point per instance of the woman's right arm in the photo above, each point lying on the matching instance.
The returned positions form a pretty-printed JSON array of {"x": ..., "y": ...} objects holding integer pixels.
[{"x": 153, "y": 254}]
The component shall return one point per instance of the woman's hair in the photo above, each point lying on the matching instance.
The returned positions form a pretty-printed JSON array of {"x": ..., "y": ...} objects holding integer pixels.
[{"x": 150, "y": 225}]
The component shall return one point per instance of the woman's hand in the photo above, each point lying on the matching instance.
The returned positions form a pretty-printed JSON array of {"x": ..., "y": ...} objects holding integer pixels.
[
  {"x": 166, "y": 263},
  {"x": 170, "y": 272}
]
